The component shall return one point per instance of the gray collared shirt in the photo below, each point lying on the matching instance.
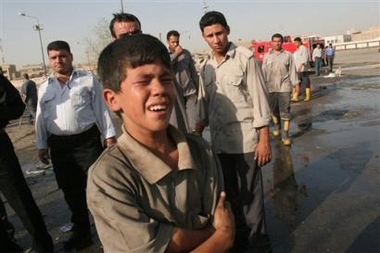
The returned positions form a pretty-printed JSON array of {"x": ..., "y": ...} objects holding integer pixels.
[
  {"x": 184, "y": 72},
  {"x": 233, "y": 101},
  {"x": 136, "y": 199},
  {"x": 279, "y": 71}
]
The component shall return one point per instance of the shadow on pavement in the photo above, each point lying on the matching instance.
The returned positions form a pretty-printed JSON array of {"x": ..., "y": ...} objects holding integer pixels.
[
  {"x": 294, "y": 195},
  {"x": 368, "y": 240}
]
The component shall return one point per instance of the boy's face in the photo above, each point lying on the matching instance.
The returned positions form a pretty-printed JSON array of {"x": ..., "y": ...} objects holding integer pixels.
[
  {"x": 173, "y": 42},
  {"x": 146, "y": 99},
  {"x": 216, "y": 37}
]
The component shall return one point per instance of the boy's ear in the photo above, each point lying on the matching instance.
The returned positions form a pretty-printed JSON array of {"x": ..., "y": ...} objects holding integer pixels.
[{"x": 111, "y": 100}]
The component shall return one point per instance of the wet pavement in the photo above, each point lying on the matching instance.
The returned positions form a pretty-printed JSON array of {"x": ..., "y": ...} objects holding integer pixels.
[{"x": 321, "y": 194}]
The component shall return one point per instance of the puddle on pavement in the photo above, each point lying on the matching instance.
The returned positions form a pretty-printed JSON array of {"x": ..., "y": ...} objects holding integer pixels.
[
  {"x": 330, "y": 115},
  {"x": 332, "y": 157},
  {"x": 297, "y": 185},
  {"x": 372, "y": 82}
]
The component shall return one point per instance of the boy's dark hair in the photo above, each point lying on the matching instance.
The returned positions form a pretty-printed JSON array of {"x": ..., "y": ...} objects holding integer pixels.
[
  {"x": 212, "y": 18},
  {"x": 126, "y": 53},
  {"x": 298, "y": 39},
  {"x": 172, "y": 33},
  {"x": 278, "y": 35},
  {"x": 123, "y": 17},
  {"x": 58, "y": 45},
  {"x": 25, "y": 75}
]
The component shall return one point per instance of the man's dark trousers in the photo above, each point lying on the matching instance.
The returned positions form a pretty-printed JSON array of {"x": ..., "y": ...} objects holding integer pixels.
[
  {"x": 244, "y": 189},
  {"x": 71, "y": 158}
]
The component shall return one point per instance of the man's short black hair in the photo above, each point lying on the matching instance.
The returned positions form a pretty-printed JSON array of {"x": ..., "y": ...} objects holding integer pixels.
[
  {"x": 298, "y": 39},
  {"x": 59, "y": 45},
  {"x": 123, "y": 17},
  {"x": 172, "y": 33},
  {"x": 25, "y": 75},
  {"x": 129, "y": 52},
  {"x": 278, "y": 35},
  {"x": 212, "y": 18}
]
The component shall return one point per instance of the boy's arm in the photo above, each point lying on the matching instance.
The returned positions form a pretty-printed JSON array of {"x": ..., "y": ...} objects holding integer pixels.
[
  {"x": 218, "y": 238},
  {"x": 179, "y": 241}
]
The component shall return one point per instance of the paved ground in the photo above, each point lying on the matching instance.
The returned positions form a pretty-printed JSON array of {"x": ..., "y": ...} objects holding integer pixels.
[{"x": 321, "y": 195}]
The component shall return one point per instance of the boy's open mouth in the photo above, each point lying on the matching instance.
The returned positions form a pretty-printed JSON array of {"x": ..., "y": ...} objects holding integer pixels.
[{"x": 156, "y": 108}]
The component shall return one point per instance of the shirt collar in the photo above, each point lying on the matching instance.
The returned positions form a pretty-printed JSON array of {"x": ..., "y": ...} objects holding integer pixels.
[
  {"x": 229, "y": 54},
  {"x": 74, "y": 74},
  {"x": 272, "y": 51},
  {"x": 149, "y": 165}
]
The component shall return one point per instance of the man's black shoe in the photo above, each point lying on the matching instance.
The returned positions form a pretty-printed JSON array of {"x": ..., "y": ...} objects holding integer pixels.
[{"x": 78, "y": 242}]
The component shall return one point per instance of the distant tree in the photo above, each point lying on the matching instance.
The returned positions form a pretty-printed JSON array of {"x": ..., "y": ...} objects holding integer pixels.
[{"x": 96, "y": 40}]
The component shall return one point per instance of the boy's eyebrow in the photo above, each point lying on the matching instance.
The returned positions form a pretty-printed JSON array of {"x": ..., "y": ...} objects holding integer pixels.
[{"x": 166, "y": 73}]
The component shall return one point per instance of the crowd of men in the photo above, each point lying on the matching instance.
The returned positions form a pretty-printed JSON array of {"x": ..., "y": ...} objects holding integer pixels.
[{"x": 160, "y": 183}]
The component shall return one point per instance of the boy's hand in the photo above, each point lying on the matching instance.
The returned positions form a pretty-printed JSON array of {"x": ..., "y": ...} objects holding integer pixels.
[
  {"x": 224, "y": 222},
  {"x": 178, "y": 50}
]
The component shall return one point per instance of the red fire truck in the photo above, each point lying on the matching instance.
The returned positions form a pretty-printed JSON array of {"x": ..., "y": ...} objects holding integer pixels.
[{"x": 261, "y": 47}]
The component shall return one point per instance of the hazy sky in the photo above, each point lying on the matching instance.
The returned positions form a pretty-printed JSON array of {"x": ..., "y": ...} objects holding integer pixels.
[{"x": 254, "y": 19}]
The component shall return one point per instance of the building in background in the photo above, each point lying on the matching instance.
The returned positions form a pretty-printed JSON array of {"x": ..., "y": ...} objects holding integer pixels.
[
  {"x": 33, "y": 70},
  {"x": 371, "y": 34},
  {"x": 335, "y": 39},
  {"x": 9, "y": 71}
]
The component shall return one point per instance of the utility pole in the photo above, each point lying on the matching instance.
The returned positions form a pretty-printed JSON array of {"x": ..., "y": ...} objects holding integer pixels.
[
  {"x": 38, "y": 28},
  {"x": 122, "y": 6}
]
